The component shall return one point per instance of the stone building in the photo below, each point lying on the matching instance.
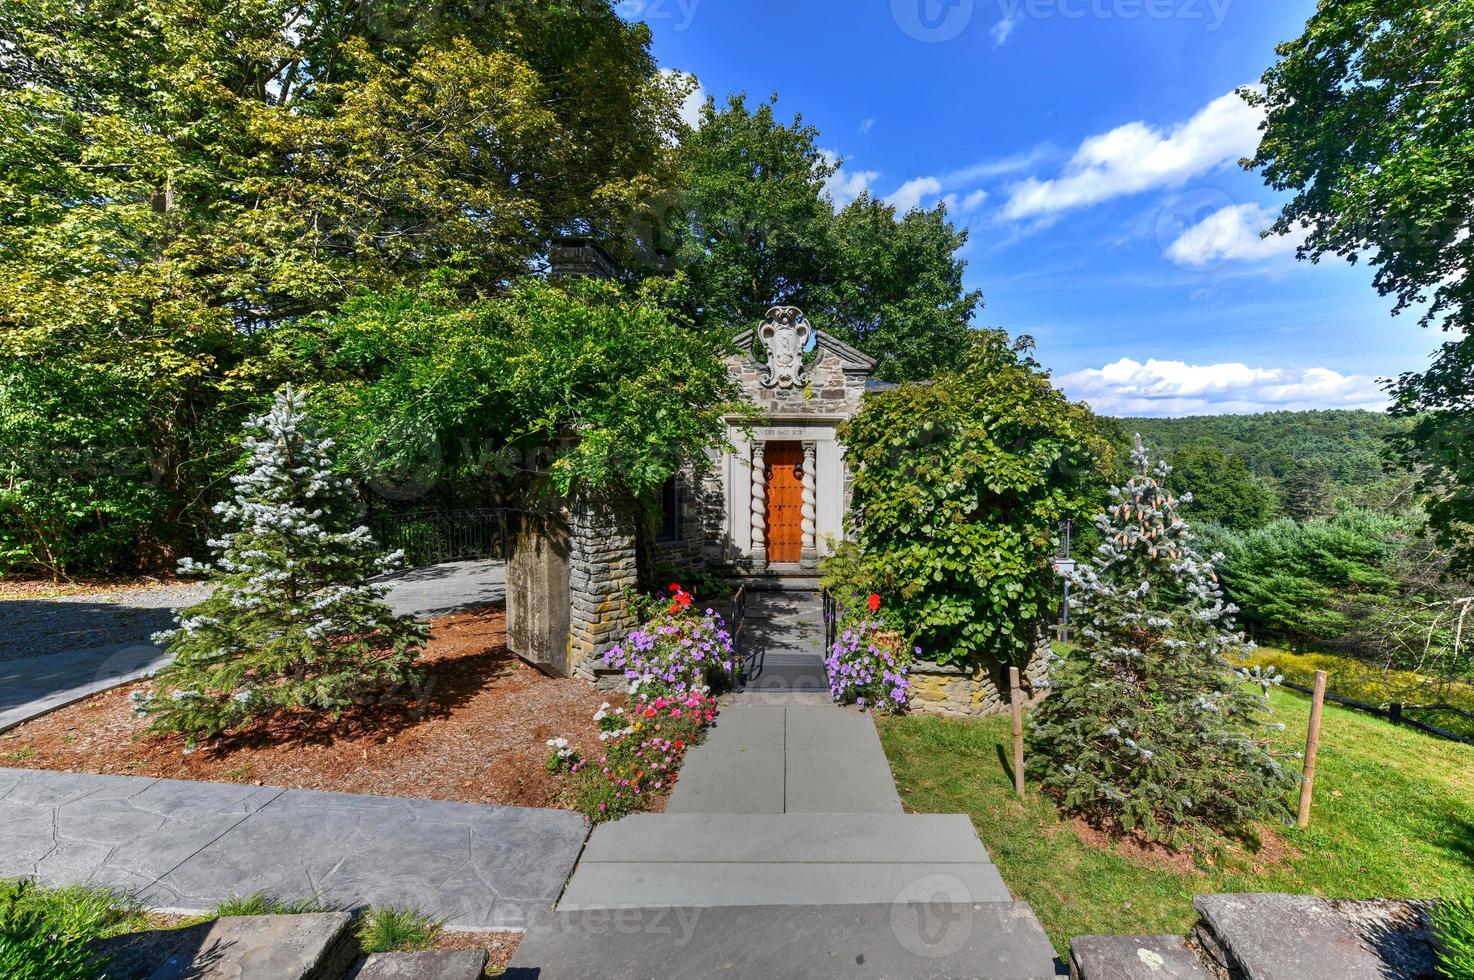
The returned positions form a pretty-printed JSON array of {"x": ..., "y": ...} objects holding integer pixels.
[{"x": 777, "y": 502}]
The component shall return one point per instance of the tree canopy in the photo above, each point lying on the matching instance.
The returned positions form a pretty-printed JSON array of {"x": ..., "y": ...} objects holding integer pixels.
[
  {"x": 1223, "y": 490},
  {"x": 177, "y": 179},
  {"x": 757, "y": 227},
  {"x": 1369, "y": 115}
]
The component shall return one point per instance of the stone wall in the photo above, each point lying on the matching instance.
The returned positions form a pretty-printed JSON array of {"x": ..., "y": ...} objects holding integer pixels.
[
  {"x": 601, "y": 567},
  {"x": 832, "y": 389},
  {"x": 963, "y": 692}
]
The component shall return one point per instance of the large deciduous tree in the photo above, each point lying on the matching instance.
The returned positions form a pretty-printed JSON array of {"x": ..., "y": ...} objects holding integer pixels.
[
  {"x": 1224, "y": 492},
  {"x": 1369, "y": 116},
  {"x": 757, "y": 226},
  {"x": 178, "y": 177}
]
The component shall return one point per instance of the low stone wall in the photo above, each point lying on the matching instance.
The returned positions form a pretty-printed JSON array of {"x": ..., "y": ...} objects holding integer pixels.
[{"x": 970, "y": 692}]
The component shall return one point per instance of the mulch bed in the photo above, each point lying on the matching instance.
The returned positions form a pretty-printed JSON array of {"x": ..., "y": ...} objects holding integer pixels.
[{"x": 476, "y": 735}]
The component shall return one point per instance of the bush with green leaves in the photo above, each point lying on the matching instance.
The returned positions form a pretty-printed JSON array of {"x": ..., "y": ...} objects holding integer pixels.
[
  {"x": 1453, "y": 937},
  {"x": 960, "y": 485},
  {"x": 294, "y": 621},
  {"x": 1148, "y": 728}
]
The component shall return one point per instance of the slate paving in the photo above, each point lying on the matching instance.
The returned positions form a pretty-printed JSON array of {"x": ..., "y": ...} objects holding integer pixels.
[
  {"x": 188, "y": 845},
  {"x": 57, "y": 651}
]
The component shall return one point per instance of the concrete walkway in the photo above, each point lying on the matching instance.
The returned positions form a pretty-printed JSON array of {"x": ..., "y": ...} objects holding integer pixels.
[
  {"x": 56, "y": 651},
  {"x": 785, "y": 852},
  {"x": 187, "y": 845}
]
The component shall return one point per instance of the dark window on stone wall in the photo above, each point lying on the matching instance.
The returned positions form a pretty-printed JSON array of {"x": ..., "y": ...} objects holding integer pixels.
[{"x": 670, "y": 511}]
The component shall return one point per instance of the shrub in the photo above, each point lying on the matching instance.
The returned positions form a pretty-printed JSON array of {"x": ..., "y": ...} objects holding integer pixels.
[
  {"x": 960, "y": 484},
  {"x": 1147, "y": 726},
  {"x": 868, "y": 663},
  {"x": 294, "y": 621},
  {"x": 397, "y": 929},
  {"x": 1453, "y": 935}
]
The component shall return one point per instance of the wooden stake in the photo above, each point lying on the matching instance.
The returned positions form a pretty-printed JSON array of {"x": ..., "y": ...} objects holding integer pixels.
[
  {"x": 1015, "y": 697},
  {"x": 1312, "y": 744}
]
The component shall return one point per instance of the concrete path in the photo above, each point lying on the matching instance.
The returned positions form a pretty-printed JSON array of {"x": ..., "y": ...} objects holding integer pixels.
[
  {"x": 784, "y": 852},
  {"x": 56, "y": 651},
  {"x": 783, "y": 642},
  {"x": 188, "y": 845}
]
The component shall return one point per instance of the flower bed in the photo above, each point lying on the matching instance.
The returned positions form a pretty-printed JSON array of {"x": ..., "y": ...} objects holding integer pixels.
[
  {"x": 868, "y": 664},
  {"x": 672, "y": 663}
]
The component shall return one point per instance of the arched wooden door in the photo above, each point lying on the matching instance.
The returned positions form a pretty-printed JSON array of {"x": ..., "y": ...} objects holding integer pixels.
[{"x": 785, "y": 462}]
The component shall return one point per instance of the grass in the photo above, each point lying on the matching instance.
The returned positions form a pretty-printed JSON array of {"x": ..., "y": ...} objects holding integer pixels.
[
  {"x": 48, "y": 933},
  {"x": 396, "y": 929},
  {"x": 1393, "y": 817},
  {"x": 264, "y": 903}
]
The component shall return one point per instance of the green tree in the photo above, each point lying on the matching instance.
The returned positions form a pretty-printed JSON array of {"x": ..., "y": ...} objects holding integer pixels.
[
  {"x": 1224, "y": 492},
  {"x": 293, "y": 622},
  {"x": 757, "y": 228},
  {"x": 1147, "y": 727},
  {"x": 960, "y": 484},
  {"x": 177, "y": 178},
  {"x": 897, "y": 291},
  {"x": 1369, "y": 115},
  {"x": 592, "y": 389}
]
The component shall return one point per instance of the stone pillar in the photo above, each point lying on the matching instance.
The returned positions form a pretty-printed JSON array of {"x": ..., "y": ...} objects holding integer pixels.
[
  {"x": 759, "y": 506},
  {"x": 809, "y": 550},
  {"x": 601, "y": 567}
]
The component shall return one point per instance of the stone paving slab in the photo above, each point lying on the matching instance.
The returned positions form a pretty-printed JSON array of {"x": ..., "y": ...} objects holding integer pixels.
[
  {"x": 729, "y": 781},
  {"x": 860, "y": 838},
  {"x": 999, "y": 941},
  {"x": 708, "y": 884},
  {"x": 1135, "y": 958},
  {"x": 436, "y": 964},
  {"x": 840, "y": 781},
  {"x": 188, "y": 845},
  {"x": 747, "y": 728}
]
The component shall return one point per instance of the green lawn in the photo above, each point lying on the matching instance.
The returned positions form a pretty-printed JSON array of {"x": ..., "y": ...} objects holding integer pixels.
[{"x": 1393, "y": 817}]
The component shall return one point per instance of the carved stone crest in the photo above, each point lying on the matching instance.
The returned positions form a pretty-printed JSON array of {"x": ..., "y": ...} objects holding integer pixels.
[{"x": 785, "y": 333}]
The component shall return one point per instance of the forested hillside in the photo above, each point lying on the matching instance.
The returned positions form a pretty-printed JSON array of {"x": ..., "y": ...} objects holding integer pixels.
[{"x": 1308, "y": 459}]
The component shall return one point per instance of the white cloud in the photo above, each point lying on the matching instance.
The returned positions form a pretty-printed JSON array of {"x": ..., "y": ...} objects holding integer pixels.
[
  {"x": 974, "y": 201},
  {"x": 1002, "y": 30},
  {"x": 866, "y": 125},
  {"x": 909, "y": 195},
  {"x": 844, "y": 186},
  {"x": 1232, "y": 234},
  {"x": 1137, "y": 157},
  {"x": 1170, "y": 388}
]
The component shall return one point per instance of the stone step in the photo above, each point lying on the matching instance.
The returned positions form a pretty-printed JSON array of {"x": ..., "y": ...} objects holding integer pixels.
[
  {"x": 998, "y": 940},
  {"x": 316, "y": 946},
  {"x": 1135, "y": 958},
  {"x": 709, "y": 884},
  {"x": 435, "y": 964},
  {"x": 800, "y": 838}
]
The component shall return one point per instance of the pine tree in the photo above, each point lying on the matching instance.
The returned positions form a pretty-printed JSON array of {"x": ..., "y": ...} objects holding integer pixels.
[
  {"x": 1148, "y": 727},
  {"x": 294, "y": 621}
]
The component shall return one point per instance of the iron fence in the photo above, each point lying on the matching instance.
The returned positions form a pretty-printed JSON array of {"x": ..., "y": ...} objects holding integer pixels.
[
  {"x": 737, "y": 617},
  {"x": 429, "y": 537}
]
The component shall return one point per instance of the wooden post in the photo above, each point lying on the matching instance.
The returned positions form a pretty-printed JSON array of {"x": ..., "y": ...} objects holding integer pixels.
[
  {"x": 1015, "y": 697},
  {"x": 1312, "y": 744}
]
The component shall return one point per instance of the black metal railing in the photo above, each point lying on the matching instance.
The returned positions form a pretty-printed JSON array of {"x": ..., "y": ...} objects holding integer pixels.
[
  {"x": 737, "y": 617},
  {"x": 831, "y": 621},
  {"x": 429, "y": 537}
]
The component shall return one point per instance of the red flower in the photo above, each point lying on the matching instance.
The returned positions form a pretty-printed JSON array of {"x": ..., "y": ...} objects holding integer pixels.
[
  {"x": 873, "y": 602},
  {"x": 673, "y": 588}
]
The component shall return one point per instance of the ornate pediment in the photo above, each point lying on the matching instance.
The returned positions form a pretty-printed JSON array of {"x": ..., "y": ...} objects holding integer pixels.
[{"x": 785, "y": 333}]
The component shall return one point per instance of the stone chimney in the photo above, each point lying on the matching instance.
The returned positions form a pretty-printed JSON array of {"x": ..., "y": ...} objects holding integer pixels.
[{"x": 579, "y": 258}]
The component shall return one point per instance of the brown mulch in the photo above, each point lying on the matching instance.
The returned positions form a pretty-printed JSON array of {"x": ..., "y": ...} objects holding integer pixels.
[
  {"x": 477, "y": 735},
  {"x": 1271, "y": 849},
  {"x": 500, "y": 946},
  {"x": 45, "y": 588}
]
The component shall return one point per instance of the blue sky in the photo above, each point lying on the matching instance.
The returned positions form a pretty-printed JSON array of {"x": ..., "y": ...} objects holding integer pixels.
[{"x": 1091, "y": 148}]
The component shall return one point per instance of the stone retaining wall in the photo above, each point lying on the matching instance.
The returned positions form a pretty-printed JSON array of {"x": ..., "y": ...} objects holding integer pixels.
[
  {"x": 601, "y": 567},
  {"x": 973, "y": 692}
]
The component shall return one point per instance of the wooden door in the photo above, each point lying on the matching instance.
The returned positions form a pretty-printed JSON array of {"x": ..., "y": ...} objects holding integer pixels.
[{"x": 785, "y": 500}]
